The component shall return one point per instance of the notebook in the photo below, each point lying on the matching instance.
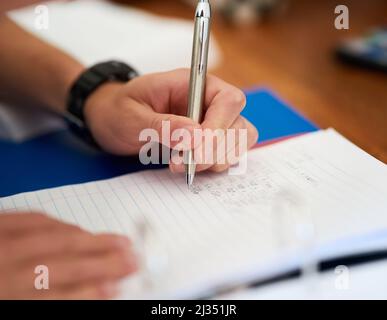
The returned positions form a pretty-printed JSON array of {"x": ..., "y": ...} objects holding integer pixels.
[
  {"x": 96, "y": 30},
  {"x": 316, "y": 195}
]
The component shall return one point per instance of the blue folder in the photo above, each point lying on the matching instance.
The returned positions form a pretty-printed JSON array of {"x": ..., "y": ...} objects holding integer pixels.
[{"x": 60, "y": 158}]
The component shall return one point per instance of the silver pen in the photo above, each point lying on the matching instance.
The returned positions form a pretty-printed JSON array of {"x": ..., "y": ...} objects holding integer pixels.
[{"x": 197, "y": 84}]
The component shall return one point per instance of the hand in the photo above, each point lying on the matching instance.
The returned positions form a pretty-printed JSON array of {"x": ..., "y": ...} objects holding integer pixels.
[
  {"x": 116, "y": 113},
  {"x": 81, "y": 265}
]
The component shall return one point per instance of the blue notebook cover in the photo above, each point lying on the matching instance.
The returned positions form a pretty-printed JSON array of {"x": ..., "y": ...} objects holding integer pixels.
[{"x": 60, "y": 158}]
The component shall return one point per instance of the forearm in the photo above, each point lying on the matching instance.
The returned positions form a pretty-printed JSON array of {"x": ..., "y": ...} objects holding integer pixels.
[{"x": 33, "y": 69}]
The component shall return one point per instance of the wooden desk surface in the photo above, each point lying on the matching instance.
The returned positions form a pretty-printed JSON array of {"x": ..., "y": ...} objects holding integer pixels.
[{"x": 292, "y": 54}]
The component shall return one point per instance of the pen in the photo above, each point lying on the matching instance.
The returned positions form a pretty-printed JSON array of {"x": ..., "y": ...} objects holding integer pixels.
[{"x": 197, "y": 84}]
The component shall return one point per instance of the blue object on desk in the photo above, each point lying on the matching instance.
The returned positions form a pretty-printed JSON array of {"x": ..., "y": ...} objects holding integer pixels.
[
  {"x": 273, "y": 118},
  {"x": 60, "y": 158}
]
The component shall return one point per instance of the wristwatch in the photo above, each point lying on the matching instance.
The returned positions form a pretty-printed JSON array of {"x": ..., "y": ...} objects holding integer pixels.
[{"x": 85, "y": 85}]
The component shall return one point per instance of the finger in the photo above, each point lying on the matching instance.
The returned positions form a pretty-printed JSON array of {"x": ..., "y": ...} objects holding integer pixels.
[
  {"x": 29, "y": 222},
  {"x": 103, "y": 291},
  {"x": 253, "y": 134},
  {"x": 242, "y": 144},
  {"x": 215, "y": 149},
  {"x": 75, "y": 270},
  {"x": 223, "y": 102},
  {"x": 165, "y": 128},
  {"x": 204, "y": 152},
  {"x": 37, "y": 246},
  {"x": 176, "y": 131},
  {"x": 230, "y": 147},
  {"x": 92, "y": 291},
  {"x": 234, "y": 144},
  {"x": 110, "y": 266},
  {"x": 244, "y": 136}
]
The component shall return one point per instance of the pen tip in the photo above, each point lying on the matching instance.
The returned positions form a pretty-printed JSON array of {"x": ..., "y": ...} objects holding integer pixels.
[{"x": 190, "y": 178}]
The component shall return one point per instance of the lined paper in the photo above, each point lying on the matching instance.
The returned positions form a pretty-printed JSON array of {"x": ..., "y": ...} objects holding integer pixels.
[{"x": 232, "y": 229}]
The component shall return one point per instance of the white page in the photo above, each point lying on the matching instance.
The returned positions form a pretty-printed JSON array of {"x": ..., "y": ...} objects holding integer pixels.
[
  {"x": 98, "y": 30},
  {"x": 228, "y": 232},
  {"x": 93, "y": 31},
  {"x": 365, "y": 282}
]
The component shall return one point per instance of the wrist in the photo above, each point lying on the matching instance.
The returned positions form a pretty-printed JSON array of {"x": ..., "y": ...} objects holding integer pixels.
[
  {"x": 92, "y": 93},
  {"x": 102, "y": 98},
  {"x": 57, "y": 95}
]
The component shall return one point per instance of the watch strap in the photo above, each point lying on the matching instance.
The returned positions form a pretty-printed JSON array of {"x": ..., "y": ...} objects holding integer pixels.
[{"x": 91, "y": 79}]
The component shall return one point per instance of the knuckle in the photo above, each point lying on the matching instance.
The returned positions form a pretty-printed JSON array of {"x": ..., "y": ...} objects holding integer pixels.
[
  {"x": 156, "y": 123},
  {"x": 72, "y": 241},
  {"x": 84, "y": 237},
  {"x": 238, "y": 98},
  {"x": 235, "y": 98}
]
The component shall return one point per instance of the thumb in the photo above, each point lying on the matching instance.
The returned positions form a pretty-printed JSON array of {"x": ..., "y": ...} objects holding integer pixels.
[{"x": 175, "y": 131}]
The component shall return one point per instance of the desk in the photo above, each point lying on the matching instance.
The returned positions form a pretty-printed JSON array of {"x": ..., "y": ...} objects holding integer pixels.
[{"x": 292, "y": 54}]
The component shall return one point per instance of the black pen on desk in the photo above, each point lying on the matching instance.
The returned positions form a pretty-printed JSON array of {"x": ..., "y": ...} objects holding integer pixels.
[{"x": 197, "y": 83}]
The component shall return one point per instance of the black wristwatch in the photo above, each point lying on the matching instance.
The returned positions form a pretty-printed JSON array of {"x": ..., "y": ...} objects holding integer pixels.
[{"x": 85, "y": 85}]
